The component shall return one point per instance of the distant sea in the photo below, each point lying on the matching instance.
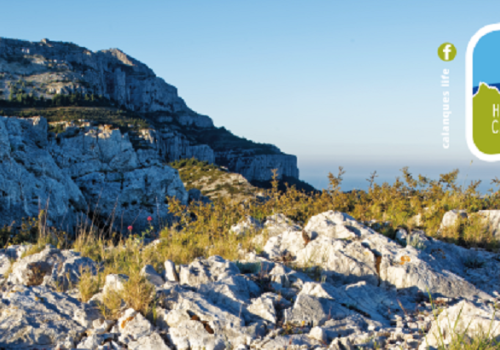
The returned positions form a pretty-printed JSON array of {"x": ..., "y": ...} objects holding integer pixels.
[{"x": 357, "y": 180}]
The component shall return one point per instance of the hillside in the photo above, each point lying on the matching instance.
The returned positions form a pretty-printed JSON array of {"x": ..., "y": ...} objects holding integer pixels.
[
  {"x": 213, "y": 181},
  {"x": 45, "y": 78}
]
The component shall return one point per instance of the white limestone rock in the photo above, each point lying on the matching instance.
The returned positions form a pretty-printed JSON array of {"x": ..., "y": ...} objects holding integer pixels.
[
  {"x": 248, "y": 225},
  {"x": 170, "y": 272},
  {"x": 152, "y": 276},
  {"x": 294, "y": 341},
  {"x": 492, "y": 218},
  {"x": 114, "y": 282},
  {"x": 473, "y": 318},
  {"x": 319, "y": 334},
  {"x": 334, "y": 225},
  {"x": 315, "y": 311},
  {"x": 101, "y": 326},
  {"x": 192, "y": 335},
  {"x": 93, "y": 341},
  {"x": 371, "y": 257},
  {"x": 279, "y": 223},
  {"x": 30, "y": 178},
  {"x": 151, "y": 342},
  {"x": 263, "y": 307},
  {"x": 57, "y": 265},
  {"x": 10, "y": 255},
  {"x": 134, "y": 324},
  {"x": 184, "y": 300},
  {"x": 38, "y": 317},
  {"x": 451, "y": 217},
  {"x": 104, "y": 164},
  {"x": 259, "y": 166},
  {"x": 208, "y": 270}
]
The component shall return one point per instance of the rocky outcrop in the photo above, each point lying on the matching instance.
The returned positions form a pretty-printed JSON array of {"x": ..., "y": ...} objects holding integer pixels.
[
  {"x": 38, "y": 317},
  {"x": 473, "y": 318},
  {"x": 367, "y": 291},
  {"x": 46, "y": 68},
  {"x": 30, "y": 178},
  {"x": 83, "y": 169},
  {"x": 350, "y": 252},
  {"x": 61, "y": 68},
  {"x": 176, "y": 147},
  {"x": 258, "y": 166}
]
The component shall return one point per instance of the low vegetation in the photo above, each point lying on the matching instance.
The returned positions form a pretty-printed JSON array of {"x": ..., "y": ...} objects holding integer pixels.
[
  {"x": 19, "y": 98},
  {"x": 122, "y": 119},
  {"x": 213, "y": 181},
  {"x": 202, "y": 230}
]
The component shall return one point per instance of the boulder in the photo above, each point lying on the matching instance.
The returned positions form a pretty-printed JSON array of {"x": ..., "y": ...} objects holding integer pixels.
[
  {"x": 263, "y": 307},
  {"x": 193, "y": 335},
  {"x": 294, "y": 341},
  {"x": 93, "y": 341},
  {"x": 51, "y": 266},
  {"x": 170, "y": 272},
  {"x": 196, "y": 304},
  {"x": 207, "y": 270},
  {"x": 152, "y": 276},
  {"x": 151, "y": 342},
  {"x": 315, "y": 311},
  {"x": 492, "y": 218},
  {"x": 333, "y": 225},
  {"x": 194, "y": 318},
  {"x": 134, "y": 324},
  {"x": 114, "y": 282},
  {"x": 248, "y": 225},
  {"x": 464, "y": 318},
  {"x": 319, "y": 334},
  {"x": 450, "y": 218},
  {"x": 231, "y": 293},
  {"x": 9, "y": 255},
  {"x": 278, "y": 223},
  {"x": 39, "y": 317}
]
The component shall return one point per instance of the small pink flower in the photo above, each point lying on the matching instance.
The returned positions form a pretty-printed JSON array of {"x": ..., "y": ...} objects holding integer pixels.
[
  {"x": 130, "y": 228},
  {"x": 150, "y": 218}
]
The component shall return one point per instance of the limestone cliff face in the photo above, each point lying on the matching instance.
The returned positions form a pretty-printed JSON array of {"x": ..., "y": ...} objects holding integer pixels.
[
  {"x": 259, "y": 167},
  {"x": 56, "y": 67},
  {"x": 47, "y": 68},
  {"x": 30, "y": 179},
  {"x": 84, "y": 169}
]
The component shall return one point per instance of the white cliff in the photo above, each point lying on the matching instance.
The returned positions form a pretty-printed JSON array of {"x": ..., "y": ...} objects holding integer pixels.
[
  {"x": 83, "y": 168},
  {"x": 46, "y": 68}
]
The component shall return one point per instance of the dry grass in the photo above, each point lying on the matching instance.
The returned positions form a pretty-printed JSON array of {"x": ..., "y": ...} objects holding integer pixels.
[
  {"x": 202, "y": 230},
  {"x": 89, "y": 284},
  {"x": 138, "y": 293},
  {"x": 111, "y": 305}
]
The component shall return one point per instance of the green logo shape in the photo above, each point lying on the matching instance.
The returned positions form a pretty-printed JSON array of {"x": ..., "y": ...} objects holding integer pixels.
[
  {"x": 486, "y": 121},
  {"x": 447, "y": 52}
]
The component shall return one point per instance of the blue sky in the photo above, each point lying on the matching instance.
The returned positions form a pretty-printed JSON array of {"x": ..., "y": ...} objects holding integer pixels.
[{"x": 335, "y": 83}]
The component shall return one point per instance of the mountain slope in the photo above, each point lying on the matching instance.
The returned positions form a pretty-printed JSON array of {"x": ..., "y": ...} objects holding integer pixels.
[{"x": 32, "y": 73}]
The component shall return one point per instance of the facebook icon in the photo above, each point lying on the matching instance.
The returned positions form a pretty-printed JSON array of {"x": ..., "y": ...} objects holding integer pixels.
[{"x": 447, "y": 52}]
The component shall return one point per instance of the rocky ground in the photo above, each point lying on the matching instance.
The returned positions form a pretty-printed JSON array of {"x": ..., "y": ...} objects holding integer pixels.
[{"x": 354, "y": 288}]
